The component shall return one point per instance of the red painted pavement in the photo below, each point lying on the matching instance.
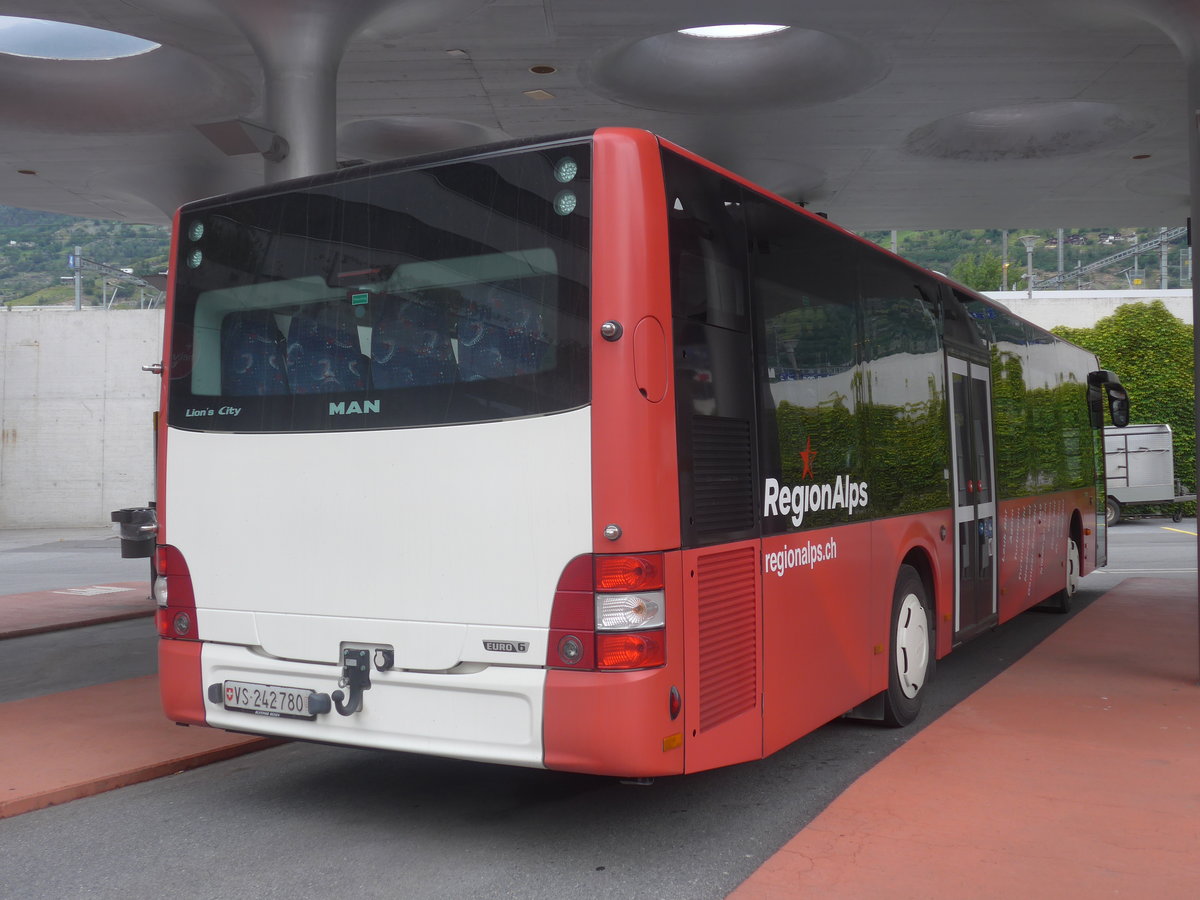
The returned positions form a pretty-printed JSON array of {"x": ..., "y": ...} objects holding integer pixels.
[
  {"x": 78, "y": 743},
  {"x": 41, "y": 611},
  {"x": 1075, "y": 773}
]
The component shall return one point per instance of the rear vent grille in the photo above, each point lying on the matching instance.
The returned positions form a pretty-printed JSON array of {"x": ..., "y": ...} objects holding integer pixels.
[
  {"x": 723, "y": 475},
  {"x": 728, "y": 635}
]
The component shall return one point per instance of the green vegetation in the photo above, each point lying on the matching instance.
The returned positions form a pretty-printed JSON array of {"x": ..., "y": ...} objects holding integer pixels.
[
  {"x": 967, "y": 255},
  {"x": 34, "y": 247},
  {"x": 1151, "y": 352},
  {"x": 981, "y": 272}
]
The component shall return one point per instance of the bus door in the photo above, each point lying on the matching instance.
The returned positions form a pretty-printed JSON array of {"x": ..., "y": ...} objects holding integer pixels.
[{"x": 974, "y": 496}]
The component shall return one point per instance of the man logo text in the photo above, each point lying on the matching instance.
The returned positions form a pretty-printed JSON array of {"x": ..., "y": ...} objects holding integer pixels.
[{"x": 353, "y": 408}]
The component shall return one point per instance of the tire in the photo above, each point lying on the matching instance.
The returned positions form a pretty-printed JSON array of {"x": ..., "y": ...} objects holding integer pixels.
[
  {"x": 1177, "y": 516},
  {"x": 1061, "y": 602},
  {"x": 911, "y": 662},
  {"x": 1112, "y": 511}
]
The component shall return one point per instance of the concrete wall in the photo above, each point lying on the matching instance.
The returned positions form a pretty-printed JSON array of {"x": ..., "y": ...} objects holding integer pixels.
[
  {"x": 1083, "y": 309},
  {"x": 76, "y": 414}
]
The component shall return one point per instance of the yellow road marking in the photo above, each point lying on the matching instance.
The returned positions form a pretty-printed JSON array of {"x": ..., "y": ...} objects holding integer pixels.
[{"x": 1178, "y": 530}]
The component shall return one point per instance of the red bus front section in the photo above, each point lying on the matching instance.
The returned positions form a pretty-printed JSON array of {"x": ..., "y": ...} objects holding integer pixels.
[{"x": 1034, "y": 530}]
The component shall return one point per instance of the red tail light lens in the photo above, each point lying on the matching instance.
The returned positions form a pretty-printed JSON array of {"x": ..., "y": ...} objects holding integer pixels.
[
  {"x": 630, "y": 650},
  {"x": 629, "y": 573}
]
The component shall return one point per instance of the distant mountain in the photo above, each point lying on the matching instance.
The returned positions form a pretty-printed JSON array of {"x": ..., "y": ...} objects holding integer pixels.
[
  {"x": 35, "y": 246},
  {"x": 944, "y": 251}
]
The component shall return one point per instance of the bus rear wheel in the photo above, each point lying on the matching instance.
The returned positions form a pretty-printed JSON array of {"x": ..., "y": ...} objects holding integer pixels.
[{"x": 912, "y": 651}]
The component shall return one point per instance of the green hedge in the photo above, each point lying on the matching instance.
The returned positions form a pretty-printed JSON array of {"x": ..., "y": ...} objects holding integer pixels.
[{"x": 1152, "y": 352}]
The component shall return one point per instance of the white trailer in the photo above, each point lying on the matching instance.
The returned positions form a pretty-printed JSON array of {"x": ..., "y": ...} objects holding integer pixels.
[{"x": 1139, "y": 466}]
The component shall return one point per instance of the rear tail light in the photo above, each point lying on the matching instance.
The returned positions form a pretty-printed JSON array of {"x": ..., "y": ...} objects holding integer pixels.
[
  {"x": 609, "y": 613},
  {"x": 176, "y": 614},
  {"x": 629, "y": 573},
  {"x": 631, "y": 650}
]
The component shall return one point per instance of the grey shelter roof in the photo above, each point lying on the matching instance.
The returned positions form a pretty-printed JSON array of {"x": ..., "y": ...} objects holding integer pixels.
[{"x": 882, "y": 113}]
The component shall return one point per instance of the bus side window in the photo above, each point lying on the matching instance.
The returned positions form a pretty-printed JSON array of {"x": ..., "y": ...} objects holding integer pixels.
[
  {"x": 707, "y": 245},
  {"x": 906, "y": 385},
  {"x": 252, "y": 355},
  {"x": 804, "y": 283},
  {"x": 958, "y": 325}
]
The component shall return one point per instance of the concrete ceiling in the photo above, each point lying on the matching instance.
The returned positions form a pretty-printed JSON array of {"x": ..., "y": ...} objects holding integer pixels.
[{"x": 883, "y": 113}]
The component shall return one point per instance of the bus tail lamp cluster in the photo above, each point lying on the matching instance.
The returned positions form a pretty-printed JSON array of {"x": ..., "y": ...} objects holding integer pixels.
[
  {"x": 176, "y": 614},
  {"x": 609, "y": 614}
]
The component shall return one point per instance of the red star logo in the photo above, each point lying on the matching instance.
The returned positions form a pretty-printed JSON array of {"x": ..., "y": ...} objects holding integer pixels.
[{"x": 808, "y": 454}]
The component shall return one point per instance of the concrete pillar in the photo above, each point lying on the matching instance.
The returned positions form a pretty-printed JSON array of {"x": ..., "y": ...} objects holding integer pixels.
[
  {"x": 1180, "y": 21},
  {"x": 1194, "y": 167},
  {"x": 300, "y": 45}
]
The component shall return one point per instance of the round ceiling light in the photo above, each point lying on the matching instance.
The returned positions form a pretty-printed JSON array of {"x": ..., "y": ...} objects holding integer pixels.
[
  {"x": 732, "y": 31},
  {"x": 1038, "y": 130},
  {"x": 43, "y": 39},
  {"x": 776, "y": 65}
]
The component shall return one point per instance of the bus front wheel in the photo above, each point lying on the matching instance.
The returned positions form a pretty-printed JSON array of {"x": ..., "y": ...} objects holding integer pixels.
[
  {"x": 912, "y": 650},
  {"x": 1061, "y": 602}
]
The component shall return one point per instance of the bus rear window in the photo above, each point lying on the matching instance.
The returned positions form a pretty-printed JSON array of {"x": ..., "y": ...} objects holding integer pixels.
[{"x": 431, "y": 296}]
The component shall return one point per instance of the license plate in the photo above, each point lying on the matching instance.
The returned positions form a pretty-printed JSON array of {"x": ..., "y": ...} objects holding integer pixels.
[{"x": 268, "y": 700}]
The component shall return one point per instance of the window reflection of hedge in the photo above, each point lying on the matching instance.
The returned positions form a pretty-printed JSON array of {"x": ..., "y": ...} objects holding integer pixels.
[
  {"x": 908, "y": 456},
  {"x": 903, "y": 457},
  {"x": 830, "y": 429},
  {"x": 1043, "y": 437}
]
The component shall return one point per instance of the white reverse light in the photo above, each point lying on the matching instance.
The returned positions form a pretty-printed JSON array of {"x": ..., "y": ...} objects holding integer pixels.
[{"x": 627, "y": 612}]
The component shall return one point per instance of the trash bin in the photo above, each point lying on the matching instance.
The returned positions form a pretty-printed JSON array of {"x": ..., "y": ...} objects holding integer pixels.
[{"x": 137, "y": 526}]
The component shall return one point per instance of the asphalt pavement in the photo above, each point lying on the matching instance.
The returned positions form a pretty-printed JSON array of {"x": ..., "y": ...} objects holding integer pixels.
[{"x": 1074, "y": 771}]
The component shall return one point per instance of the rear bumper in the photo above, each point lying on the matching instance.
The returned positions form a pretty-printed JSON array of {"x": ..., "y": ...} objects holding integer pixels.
[{"x": 491, "y": 714}]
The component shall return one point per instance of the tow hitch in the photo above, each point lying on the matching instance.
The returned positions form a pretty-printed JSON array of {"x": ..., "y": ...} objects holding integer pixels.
[
  {"x": 301, "y": 703},
  {"x": 356, "y": 675}
]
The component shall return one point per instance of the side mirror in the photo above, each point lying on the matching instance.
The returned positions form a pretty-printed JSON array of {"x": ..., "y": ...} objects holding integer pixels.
[
  {"x": 1118, "y": 406},
  {"x": 1118, "y": 399}
]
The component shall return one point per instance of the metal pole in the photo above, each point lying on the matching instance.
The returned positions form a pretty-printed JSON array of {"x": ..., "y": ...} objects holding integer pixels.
[
  {"x": 1004, "y": 262},
  {"x": 1029, "y": 267},
  {"x": 1030, "y": 241},
  {"x": 1163, "y": 274},
  {"x": 1061, "y": 280},
  {"x": 78, "y": 278}
]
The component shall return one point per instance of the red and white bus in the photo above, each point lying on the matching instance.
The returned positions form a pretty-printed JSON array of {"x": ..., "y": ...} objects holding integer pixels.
[{"x": 586, "y": 454}]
